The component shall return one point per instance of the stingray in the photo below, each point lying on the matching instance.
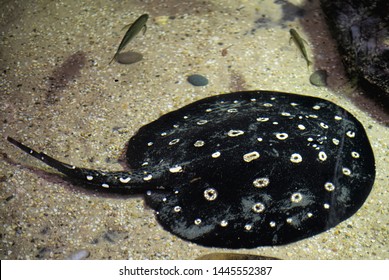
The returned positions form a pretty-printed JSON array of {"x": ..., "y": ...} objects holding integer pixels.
[{"x": 244, "y": 169}]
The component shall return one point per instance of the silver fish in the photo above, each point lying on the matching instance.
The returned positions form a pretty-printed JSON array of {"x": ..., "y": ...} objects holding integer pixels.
[
  {"x": 300, "y": 44},
  {"x": 132, "y": 31}
]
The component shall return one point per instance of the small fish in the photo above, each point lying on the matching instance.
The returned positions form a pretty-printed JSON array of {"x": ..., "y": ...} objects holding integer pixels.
[
  {"x": 132, "y": 31},
  {"x": 300, "y": 44}
]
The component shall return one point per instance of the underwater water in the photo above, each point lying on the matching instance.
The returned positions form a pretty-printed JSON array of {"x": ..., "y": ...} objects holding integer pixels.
[{"x": 60, "y": 95}]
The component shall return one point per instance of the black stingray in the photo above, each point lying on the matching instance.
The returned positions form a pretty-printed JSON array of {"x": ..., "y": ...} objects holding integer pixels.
[{"x": 245, "y": 169}]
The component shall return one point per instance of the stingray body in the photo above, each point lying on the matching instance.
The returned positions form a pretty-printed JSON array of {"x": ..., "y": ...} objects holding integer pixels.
[{"x": 245, "y": 169}]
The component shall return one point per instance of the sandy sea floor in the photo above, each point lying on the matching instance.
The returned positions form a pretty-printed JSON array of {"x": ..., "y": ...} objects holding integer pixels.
[{"x": 88, "y": 120}]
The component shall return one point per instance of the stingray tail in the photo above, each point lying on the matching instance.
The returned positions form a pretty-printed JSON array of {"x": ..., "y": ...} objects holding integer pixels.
[{"x": 120, "y": 180}]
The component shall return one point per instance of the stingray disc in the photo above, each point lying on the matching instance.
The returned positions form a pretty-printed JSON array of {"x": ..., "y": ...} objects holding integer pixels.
[
  {"x": 249, "y": 169},
  {"x": 245, "y": 169}
]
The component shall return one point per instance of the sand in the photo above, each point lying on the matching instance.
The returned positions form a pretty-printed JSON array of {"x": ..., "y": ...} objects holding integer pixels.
[{"x": 87, "y": 120}]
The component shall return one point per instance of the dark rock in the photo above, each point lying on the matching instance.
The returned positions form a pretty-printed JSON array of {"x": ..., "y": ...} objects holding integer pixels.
[
  {"x": 361, "y": 29},
  {"x": 197, "y": 80},
  {"x": 319, "y": 78}
]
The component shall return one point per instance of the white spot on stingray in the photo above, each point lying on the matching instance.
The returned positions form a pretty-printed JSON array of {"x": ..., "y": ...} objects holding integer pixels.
[
  {"x": 201, "y": 122},
  {"x": 164, "y": 199},
  {"x": 261, "y": 182},
  {"x": 199, "y": 143},
  {"x": 232, "y": 110},
  {"x": 282, "y": 136},
  {"x": 208, "y": 110},
  {"x": 175, "y": 169},
  {"x": 350, "y": 134},
  {"x": 335, "y": 141},
  {"x": 321, "y": 139},
  {"x": 355, "y": 154},
  {"x": 253, "y": 99},
  {"x": 248, "y": 227},
  {"x": 262, "y": 119},
  {"x": 337, "y": 118},
  {"x": 285, "y": 114},
  {"x": 150, "y": 144},
  {"x": 185, "y": 117},
  {"x": 145, "y": 163},
  {"x": 148, "y": 177},
  {"x": 234, "y": 133},
  {"x": 124, "y": 180},
  {"x": 250, "y": 156},
  {"x": 313, "y": 116},
  {"x": 216, "y": 154},
  {"x": 268, "y": 105},
  {"x": 326, "y": 206},
  {"x": 272, "y": 224},
  {"x": 105, "y": 185},
  {"x": 89, "y": 178},
  {"x": 224, "y": 223},
  {"x": 346, "y": 171},
  {"x": 258, "y": 207},
  {"x": 293, "y": 104},
  {"x": 197, "y": 222},
  {"x": 323, "y": 125},
  {"x": 174, "y": 141},
  {"x": 177, "y": 209},
  {"x": 148, "y": 193},
  {"x": 296, "y": 158},
  {"x": 163, "y": 134},
  {"x": 310, "y": 215},
  {"x": 296, "y": 197},
  {"x": 289, "y": 220},
  {"x": 210, "y": 194},
  {"x": 72, "y": 167},
  {"x": 301, "y": 127},
  {"x": 316, "y": 107},
  {"x": 275, "y": 123},
  {"x": 322, "y": 156},
  {"x": 329, "y": 186}
]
